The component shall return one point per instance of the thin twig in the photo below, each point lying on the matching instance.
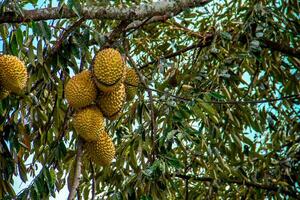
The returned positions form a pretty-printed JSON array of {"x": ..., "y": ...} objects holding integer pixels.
[
  {"x": 137, "y": 26},
  {"x": 77, "y": 173},
  {"x": 149, "y": 92},
  {"x": 93, "y": 180},
  {"x": 115, "y": 34},
  {"x": 206, "y": 41},
  {"x": 83, "y": 60},
  {"x": 185, "y": 99},
  {"x": 289, "y": 144},
  {"x": 186, "y": 180},
  {"x": 160, "y": 18},
  {"x": 63, "y": 36},
  {"x": 56, "y": 48}
]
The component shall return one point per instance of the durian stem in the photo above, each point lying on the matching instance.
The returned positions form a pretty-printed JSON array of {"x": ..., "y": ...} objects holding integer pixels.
[
  {"x": 77, "y": 170},
  {"x": 93, "y": 180}
]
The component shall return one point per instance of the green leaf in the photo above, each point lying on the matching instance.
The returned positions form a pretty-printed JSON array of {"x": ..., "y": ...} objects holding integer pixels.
[
  {"x": 175, "y": 163},
  {"x": 40, "y": 56},
  {"x": 46, "y": 31},
  {"x": 22, "y": 171},
  {"x": 19, "y": 36},
  {"x": 207, "y": 107},
  {"x": 34, "y": 193},
  {"x": 14, "y": 45},
  {"x": 75, "y": 6}
]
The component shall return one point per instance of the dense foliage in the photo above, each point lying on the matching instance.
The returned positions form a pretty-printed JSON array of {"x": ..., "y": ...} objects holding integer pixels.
[{"x": 217, "y": 113}]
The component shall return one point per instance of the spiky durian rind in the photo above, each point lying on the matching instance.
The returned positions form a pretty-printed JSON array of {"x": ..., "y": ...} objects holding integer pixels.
[
  {"x": 111, "y": 104},
  {"x": 102, "y": 151},
  {"x": 13, "y": 73},
  {"x": 80, "y": 91},
  {"x": 108, "y": 69},
  {"x": 131, "y": 83},
  {"x": 89, "y": 123}
]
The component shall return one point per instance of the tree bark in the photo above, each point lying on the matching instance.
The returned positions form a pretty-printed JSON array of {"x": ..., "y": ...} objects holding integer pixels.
[
  {"x": 77, "y": 171},
  {"x": 92, "y": 12}
]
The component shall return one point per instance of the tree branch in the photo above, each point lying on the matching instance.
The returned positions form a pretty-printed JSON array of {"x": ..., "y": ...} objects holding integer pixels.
[
  {"x": 139, "y": 23},
  {"x": 268, "y": 187},
  {"x": 93, "y": 180},
  {"x": 185, "y": 99},
  {"x": 77, "y": 173},
  {"x": 115, "y": 34},
  {"x": 205, "y": 41},
  {"x": 133, "y": 13},
  {"x": 63, "y": 36},
  {"x": 283, "y": 48},
  {"x": 149, "y": 92}
]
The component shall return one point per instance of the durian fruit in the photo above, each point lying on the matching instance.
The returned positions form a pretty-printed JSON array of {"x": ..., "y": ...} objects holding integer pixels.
[
  {"x": 131, "y": 83},
  {"x": 102, "y": 151},
  {"x": 3, "y": 93},
  {"x": 108, "y": 69},
  {"x": 89, "y": 123},
  {"x": 80, "y": 90},
  {"x": 13, "y": 73},
  {"x": 111, "y": 104}
]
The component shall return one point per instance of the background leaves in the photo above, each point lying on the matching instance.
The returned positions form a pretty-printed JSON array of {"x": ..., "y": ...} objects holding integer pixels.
[{"x": 226, "y": 51}]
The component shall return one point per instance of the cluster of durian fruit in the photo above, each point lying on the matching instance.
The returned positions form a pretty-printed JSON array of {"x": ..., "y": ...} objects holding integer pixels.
[
  {"x": 13, "y": 75},
  {"x": 98, "y": 94}
]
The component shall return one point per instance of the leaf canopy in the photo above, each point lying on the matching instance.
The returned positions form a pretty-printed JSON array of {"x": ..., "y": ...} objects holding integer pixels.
[{"x": 218, "y": 116}]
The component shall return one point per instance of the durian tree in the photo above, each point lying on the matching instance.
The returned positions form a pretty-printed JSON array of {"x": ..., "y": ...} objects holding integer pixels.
[{"x": 210, "y": 110}]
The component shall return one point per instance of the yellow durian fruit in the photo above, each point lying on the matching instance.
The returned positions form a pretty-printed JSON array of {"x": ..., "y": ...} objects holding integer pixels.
[
  {"x": 13, "y": 73},
  {"x": 89, "y": 123},
  {"x": 131, "y": 83},
  {"x": 108, "y": 69},
  {"x": 80, "y": 91},
  {"x": 111, "y": 104},
  {"x": 101, "y": 151}
]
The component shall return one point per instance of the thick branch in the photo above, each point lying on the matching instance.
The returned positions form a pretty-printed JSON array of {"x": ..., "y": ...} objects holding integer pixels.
[
  {"x": 77, "y": 171},
  {"x": 137, "y": 12},
  {"x": 237, "y": 181},
  {"x": 283, "y": 48}
]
